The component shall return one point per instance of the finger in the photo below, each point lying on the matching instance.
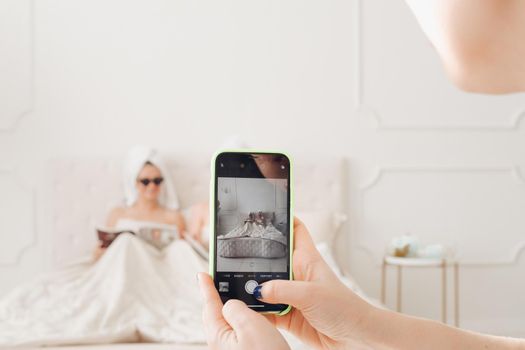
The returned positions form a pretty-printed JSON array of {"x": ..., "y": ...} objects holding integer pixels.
[
  {"x": 299, "y": 294},
  {"x": 302, "y": 238},
  {"x": 272, "y": 318},
  {"x": 295, "y": 323},
  {"x": 244, "y": 321},
  {"x": 308, "y": 264},
  {"x": 212, "y": 311}
]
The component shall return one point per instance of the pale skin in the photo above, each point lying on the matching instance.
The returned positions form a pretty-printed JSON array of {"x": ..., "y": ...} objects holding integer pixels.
[
  {"x": 199, "y": 219},
  {"x": 146, "y": 208},
  {"x": 481, "y": 43},
  {"x": 327, "y": 315}
]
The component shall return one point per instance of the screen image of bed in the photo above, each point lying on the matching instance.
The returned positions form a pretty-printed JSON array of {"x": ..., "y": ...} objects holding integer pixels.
[{"x": 252, "y": 224}]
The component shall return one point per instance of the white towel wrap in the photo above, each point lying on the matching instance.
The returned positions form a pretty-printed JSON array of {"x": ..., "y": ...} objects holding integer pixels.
[{"x": 137, "y": 157}]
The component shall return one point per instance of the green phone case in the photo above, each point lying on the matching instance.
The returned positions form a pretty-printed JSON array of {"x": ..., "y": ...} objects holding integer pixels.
[{"x": 212, "y": 213}]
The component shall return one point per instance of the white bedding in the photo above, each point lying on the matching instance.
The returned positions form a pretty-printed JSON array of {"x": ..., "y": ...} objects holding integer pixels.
[
  {"x": 132, "y": 346},
  {"x": 133, "y": 293}
]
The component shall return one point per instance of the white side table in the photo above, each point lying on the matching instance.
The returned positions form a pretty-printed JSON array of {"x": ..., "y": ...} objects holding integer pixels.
[{"x": 423, "y": 263}]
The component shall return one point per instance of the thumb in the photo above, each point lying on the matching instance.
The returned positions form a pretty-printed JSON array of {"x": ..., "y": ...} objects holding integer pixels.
[
  {"x": 299, "y": 294},
  {"x": 243, "y": 320}
]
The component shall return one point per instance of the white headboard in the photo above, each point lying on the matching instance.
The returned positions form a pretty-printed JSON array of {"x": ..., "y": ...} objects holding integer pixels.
[{"x": 83, "y": 190}]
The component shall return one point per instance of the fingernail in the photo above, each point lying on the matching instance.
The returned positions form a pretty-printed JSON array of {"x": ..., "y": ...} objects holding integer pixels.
[{"x": 257, "y": 292}]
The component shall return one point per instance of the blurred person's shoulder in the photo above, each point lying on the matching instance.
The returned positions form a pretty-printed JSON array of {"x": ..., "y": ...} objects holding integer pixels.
[
  {"x": 172, "y": 216},
  {"x": 118, "y": 211},
  {"x": 115, "y": 214},
  {"x": 199, "y": 210}
]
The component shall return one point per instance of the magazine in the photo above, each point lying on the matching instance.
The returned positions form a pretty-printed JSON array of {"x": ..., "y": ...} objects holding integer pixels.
[
  {"x": 158, "y": 236},
  {"x": 107, "y": 236}
]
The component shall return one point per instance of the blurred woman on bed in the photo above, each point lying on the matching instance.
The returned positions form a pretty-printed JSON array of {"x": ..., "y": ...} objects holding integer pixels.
[
  {"x": 151, "y": 201},
  {"x": 139, "y": 289}
]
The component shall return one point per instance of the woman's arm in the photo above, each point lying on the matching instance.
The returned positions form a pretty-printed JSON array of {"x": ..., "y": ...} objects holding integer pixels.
[
  {"x": 174, "y": 217},
  {"x": 198, "y": 220},
  {"x": 181, "y": 224},
  {"x": 114, "y": 215},
  {"x": 328, "y": 315},
  {"x": 111, "y": 221},
  {"x": 481, "y": 43},
  {"x": 390, "y": 330}
]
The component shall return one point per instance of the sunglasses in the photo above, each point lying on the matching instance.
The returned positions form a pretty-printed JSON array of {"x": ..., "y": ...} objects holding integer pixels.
[{"x": 145, "y": 181}]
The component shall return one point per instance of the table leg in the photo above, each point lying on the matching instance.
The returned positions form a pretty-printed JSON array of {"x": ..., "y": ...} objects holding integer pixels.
[
  {"x": 383, "y": 283},
  {"x": 456, "y": 294},
  {"x": 444, "y": 292},
  {"x": 399, "y": 290}
]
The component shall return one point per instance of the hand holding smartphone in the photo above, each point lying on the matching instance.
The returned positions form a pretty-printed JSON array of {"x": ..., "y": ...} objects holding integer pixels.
[{"x": 252, "y": 232}]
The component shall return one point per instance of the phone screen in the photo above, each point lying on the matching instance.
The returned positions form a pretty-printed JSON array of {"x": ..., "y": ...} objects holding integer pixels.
[{"x": 252, "y": 224}]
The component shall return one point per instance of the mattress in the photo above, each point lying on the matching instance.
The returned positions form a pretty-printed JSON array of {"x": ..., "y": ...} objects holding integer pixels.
[{"x": 250, "y": 247}]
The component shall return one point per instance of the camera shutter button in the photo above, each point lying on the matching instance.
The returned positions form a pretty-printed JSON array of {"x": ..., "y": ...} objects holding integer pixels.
[{"x": 250, "y": 286}]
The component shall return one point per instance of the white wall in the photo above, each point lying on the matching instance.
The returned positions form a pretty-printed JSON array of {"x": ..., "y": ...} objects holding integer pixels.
[{"x": 347, "y": 78}]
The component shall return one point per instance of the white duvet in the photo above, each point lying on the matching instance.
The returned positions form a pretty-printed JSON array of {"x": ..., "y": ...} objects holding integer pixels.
[{"x": 133, "y": 293}]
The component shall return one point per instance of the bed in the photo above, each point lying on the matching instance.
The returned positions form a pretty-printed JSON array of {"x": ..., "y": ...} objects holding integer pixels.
[
  {"x": 319, "y": 201},
  {"x": 251, "y": 239},
  {"x": 250, "y": 247}
]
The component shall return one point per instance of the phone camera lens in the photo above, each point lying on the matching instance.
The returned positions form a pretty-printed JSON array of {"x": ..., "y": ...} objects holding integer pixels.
[{"x": 242, "y": 165}]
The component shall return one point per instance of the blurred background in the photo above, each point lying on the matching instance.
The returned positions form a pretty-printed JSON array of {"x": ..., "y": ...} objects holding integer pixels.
[{"x": 356, "y": 80}]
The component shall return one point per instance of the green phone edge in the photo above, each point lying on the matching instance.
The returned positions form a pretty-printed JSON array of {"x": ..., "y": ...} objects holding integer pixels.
[{"x": 212, "y": 213}]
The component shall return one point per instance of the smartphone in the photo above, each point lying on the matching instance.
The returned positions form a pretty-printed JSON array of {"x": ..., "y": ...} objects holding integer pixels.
[{"x": 252, "y": 228}]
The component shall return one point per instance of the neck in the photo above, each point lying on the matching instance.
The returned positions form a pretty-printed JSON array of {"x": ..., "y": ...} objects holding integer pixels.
[{"x": 146, "y": 204}]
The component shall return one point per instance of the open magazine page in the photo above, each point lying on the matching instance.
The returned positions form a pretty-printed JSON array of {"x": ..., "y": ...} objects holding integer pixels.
[
  {"x": 107, "y": 236},
  {"x": 159, "y": 236}
]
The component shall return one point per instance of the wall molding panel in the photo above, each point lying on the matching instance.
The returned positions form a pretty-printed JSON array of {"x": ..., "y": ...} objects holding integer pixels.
[
  {"x": 17, "y": 86},
  {"x": 18, "y": 217},
  {"x": 480, "y": 190},
  {"x": 383, "y": 120}
]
